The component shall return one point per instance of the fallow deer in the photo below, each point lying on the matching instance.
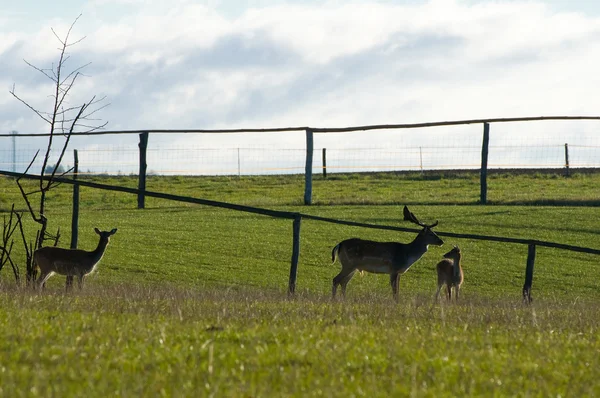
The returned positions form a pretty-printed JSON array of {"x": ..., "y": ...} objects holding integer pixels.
[
  {"x": 70, "y": 262},
  {"x": 450, "y": 273},
  {"x": 391, "y": 258}
]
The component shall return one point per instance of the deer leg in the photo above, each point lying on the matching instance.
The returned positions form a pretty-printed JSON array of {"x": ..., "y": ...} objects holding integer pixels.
[
  {"x": 394, "y": 282},
  {"x": 69, "y": 283},
  {"x": 337, "y": 280},
  {"x": 80, "y": 281},
  {"x": 449, "y": 291},
  {"x": 437, "y": 294},
  {"x": 41, "y": 280},
  {"x": 345, "y": 282},
  {"x": 456, "y": 292}
]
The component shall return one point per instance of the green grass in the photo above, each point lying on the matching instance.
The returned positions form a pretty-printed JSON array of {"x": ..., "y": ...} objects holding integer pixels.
[
  {"x": 130, "y": 340},
  {"x": 442, "y": 188},
  {"x": 191, "y": 300}
]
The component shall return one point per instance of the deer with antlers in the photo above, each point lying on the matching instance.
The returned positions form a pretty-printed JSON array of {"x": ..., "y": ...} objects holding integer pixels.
[
  {"x": 70, "y": 262},
  {"x": 391, "y": 258},
  {"x": 450, "y": 273}
]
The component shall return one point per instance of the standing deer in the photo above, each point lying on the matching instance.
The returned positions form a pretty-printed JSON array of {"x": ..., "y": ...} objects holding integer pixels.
[
  {"x": 382, "y": 257},
  {"x": 450, "y": 273},
  {"x": 70, "y": 262}
]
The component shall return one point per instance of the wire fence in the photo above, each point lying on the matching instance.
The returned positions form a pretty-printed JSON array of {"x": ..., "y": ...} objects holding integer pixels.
[
  {"x": 455, "y": 145},
  {"x": 179, "y": 160}
]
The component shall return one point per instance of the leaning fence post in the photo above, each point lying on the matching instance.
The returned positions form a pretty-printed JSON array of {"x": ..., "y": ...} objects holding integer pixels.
[
  {"x": 484, "y": 163},
  {"x": 75, "y": 215},
  {"x": 308, "y": 168},
  {"x": 295, "y": 255},
  {"x": 143, "y": 145},
  {"x": 567, "y": 172},
  {"x": 529, "y": 274}
]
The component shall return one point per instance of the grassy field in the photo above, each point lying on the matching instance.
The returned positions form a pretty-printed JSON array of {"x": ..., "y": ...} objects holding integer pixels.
[{"x": 191, "y": 300}]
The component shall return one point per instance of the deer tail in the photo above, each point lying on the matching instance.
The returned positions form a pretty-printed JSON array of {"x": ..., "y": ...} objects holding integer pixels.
[{"x": 334, "y": 253}]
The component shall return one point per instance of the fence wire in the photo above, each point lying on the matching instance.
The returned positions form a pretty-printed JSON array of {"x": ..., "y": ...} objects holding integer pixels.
[{"x": 435, "y": 153}]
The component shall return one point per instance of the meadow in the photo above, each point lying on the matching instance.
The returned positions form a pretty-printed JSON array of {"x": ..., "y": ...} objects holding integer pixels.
[{"x": 192, "y": 300}]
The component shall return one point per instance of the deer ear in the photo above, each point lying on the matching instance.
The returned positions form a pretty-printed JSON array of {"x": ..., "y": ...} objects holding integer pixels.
[
  {"x": 114, "y": 231},
  {"x": 406, "y": 213},
  {"x": 97, "y": 231},
  {"x": 409, "y": 216}
]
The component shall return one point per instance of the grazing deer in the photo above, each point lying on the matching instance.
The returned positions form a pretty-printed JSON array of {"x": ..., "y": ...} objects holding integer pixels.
[
  {"x": 382, "y": 257},
  {"x": 70, "y": 262},
  {"x": 450, "y": 273}
]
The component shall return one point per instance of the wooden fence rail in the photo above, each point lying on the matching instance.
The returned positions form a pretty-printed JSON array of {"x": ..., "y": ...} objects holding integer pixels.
[
  {"x": 310, "y": 131},
  {"x": 297, "y": 218}
]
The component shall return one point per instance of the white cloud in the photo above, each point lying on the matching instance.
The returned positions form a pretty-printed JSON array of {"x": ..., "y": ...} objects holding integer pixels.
[{"x": 189, "y": 65}]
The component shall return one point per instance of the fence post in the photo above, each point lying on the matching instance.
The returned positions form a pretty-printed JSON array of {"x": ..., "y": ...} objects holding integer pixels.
[
  {"x": 484, "y": 163},
  {"x": 529, "y": 275},
  {"x": 143, "y": 145},
  {"x": 14, "y": 150},
  {"x": 75, "y": 215},
  {"x": 324, "y": 162},
  {"x": 295, "y": 256},
  {"x": 567, "y": 160},
  {"x": 308, "y": 168}
]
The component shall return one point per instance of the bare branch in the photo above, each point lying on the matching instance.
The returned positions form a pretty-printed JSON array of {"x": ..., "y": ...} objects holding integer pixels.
[
  {"x": 90, "y": 129},
  {"x": 64, "y": 119},
  {"x": 87, "y": 115},
  {"x": 30, "y": 163},
  {"x": 64, "y": 148},
  {"x": 65, "y": 91},
  {"x": 26, "y": 198},
  {"x": 57, "y": 183},
  {"x": 25, "y": 195},
  {"x": 77, "y": 71},
  {"x": 12, "y": 92},
  {"x": 13, "y": 265},
  {"x": 65, "y": 43},
  {"x": 42, "y": 71}
]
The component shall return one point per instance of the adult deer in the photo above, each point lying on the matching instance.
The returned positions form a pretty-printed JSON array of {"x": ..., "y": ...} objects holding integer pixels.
[
  {"x": 450, "y": 273},
  {"x": 70, "y": 262},
  {"x": 391, "y": 258}
]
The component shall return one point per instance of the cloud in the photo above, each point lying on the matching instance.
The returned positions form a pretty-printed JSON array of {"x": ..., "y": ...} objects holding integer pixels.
[{"x": 185, "y": 65}]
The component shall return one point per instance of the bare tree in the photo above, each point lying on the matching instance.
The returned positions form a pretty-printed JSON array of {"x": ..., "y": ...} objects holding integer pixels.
[{"x": 63, "y": 120}]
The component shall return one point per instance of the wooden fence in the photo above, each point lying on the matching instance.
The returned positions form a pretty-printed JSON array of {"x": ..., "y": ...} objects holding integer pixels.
[
  {"x": 297, "y": 218},
  {"x": 310, "y": 131}
]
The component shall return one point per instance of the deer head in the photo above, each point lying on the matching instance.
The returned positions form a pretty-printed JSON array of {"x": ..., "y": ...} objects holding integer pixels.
[
  {"x": 455, "y": 252},
  {"x": 426, "y": 235}
]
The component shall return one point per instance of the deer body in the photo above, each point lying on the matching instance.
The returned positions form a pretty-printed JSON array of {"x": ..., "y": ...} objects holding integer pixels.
[
  {"x": 70, "y": 262},
  {"x": 450, "y": 273},
  {"x": 391, "y": 258}
]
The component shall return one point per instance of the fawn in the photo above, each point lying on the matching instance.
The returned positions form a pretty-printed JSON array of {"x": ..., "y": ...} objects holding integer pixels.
[{"x": 450, "y": 273}]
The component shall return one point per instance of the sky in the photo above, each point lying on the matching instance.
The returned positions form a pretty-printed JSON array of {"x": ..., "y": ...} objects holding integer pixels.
[{"x": 256, "y": 64}]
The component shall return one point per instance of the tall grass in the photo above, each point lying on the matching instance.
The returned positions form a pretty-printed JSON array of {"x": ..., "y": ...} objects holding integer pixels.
[{"x": 134, "y": 340}]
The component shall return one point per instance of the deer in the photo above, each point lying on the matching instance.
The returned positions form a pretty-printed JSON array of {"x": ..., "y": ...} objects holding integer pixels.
[
  {"x": 450, "y": 273},
  {"x": 70, "y": 262},
  {"x": 391, "y": 258}
]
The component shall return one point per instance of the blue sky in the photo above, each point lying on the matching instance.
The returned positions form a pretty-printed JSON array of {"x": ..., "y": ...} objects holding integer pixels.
[{"x": 227, "y": 64}]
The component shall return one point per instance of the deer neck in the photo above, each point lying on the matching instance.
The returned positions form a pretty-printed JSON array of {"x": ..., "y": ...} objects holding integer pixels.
[
  {"x": 456, "y": 269},
  {"x": 97, "y": 254},
  {"x": 456, "y": 259},
  {"x": 419, "y": 245}
]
